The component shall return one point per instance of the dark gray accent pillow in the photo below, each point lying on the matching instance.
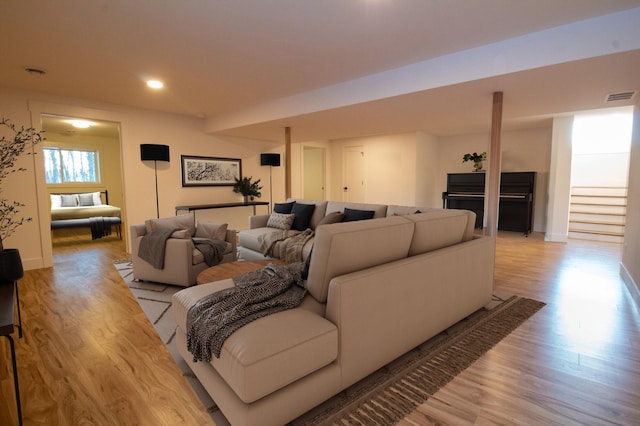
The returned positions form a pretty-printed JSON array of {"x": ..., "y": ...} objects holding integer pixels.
[
  {"x": 351, "y": 215},
  {"x": 303, "y": 214},
  {"x": 284, "y": 208},
  {"x": 85, "y": 199},
  {"x": 305, "y": 270}
]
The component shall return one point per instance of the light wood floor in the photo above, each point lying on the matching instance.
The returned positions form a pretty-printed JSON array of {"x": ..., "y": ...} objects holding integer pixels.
[{"x": 90, "y": 357}]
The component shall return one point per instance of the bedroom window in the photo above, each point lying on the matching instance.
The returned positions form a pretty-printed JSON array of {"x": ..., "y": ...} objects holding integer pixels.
[{"x": 71, "y": 165}]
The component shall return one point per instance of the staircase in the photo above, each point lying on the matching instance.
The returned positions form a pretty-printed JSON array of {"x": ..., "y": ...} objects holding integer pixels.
[{"x": 598, "y": 213}]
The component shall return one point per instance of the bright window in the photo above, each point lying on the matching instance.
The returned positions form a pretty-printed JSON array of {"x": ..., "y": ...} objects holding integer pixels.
[{"x": 71, "y": 166}]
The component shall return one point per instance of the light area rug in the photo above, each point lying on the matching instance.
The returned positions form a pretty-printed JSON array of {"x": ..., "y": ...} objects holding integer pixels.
[{"x": 390, "y": 393}]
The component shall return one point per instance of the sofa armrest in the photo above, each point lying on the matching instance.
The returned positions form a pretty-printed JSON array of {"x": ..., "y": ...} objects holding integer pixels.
[
  {"x": 232, "y": 238},
  {"x": 138, "y": 230},
  {"x": 258, "y": 221}
]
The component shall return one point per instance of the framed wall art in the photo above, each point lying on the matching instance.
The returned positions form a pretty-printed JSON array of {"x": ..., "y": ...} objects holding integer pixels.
[{"x": 210, "y": 171}]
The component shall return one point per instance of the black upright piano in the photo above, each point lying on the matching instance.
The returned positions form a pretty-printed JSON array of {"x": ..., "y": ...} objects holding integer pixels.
[{"x": 466, "y": 191}]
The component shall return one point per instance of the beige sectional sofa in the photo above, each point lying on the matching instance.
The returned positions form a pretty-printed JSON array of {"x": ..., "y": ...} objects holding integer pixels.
[
  {"x": 249, "y": 241},
  {"x": 376, "y": 289}
]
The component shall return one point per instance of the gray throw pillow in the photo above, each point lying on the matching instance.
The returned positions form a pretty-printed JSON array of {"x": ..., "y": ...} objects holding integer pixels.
[
  {"x": 333, "y": 217},
  {"x": 69, "y": 200},
  {"x": 85, "y": 199},
  {"x": 280, "y": 221}
]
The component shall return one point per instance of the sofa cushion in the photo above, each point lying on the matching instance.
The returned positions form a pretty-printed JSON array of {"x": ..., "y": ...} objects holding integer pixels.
[
  {"x": 394, "y": 210},
  {"x": 318, "y": 212},
  {"x": 283, "y": 207},
  {"x": 339, "y": 206},
  {"x": 183, "y": 221},
  {"x": 351, "y": 215},
  {"x": 271, "y": 352},
  {"x": 437, "y": 229},
  {"x": 280, "y": 221},
  {"x": 351, "y": 246},
  {"x": 213, "y": 231},
  {"x": 303, "y": 213},
  {"x": 251, "y": 238},
  {"x": 333, "y": 217},
  {"x": 198, "y": 257},
  {"x": 182, "y": 234}
]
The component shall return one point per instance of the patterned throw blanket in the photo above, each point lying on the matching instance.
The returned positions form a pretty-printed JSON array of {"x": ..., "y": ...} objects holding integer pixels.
[
  {"x": 212, "y": 319},
  {"x": 291, "y": 244}
]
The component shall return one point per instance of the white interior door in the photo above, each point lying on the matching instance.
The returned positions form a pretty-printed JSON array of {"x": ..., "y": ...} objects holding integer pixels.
[{"x": 354, "y": 175}]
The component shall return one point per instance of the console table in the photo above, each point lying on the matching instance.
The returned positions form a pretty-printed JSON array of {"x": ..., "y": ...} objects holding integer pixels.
[
  {"x": 8, "y": 297},
  {"x": 221, "y": 206}
]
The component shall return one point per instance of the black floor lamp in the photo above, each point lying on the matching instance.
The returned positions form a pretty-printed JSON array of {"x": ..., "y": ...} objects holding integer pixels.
[
  {"x": 149, "y": 152},
  {"x": 271, "y": 160}
]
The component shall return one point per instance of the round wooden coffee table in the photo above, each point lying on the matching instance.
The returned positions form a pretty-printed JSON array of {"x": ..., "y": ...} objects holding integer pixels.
[{"x": 231, "y": 269}]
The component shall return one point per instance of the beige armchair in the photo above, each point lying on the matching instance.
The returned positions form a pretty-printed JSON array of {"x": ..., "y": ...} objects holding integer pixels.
[{"x": 182, "y": 261}]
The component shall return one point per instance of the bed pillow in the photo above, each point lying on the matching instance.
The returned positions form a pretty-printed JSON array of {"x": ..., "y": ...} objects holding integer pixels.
[
  {"x": 85, "y": 199},
  {"x": 303, "y": 213},
  {"x": 69, "y": 200},
  {"x": 280, "y": 221},
  {"x": 212, "y": 231},
  {"x": 283, "y": 207},
  {"x": 351, "y": 215},
  {"x": 182, "y": 221},
  {"x": 97, "y": 200},
  {"x": 56, "y": 201}
]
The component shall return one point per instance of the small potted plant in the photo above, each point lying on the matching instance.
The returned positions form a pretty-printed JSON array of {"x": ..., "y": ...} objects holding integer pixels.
[
  {"x": 12, "y": 147},
  {"x": 247, "y": 188},
  {"x": 476, "y": 158}
]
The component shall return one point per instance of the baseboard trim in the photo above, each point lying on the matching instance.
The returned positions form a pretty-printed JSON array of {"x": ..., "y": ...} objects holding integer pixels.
[
  {"x": 632, "y": 286},
  {"x": 556, "y": 238}
]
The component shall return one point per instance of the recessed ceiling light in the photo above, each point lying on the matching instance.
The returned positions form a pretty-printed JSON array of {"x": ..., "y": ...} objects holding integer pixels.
[
  {"x": 155, "y": 84},
  {"x": 81, "y": 124}
]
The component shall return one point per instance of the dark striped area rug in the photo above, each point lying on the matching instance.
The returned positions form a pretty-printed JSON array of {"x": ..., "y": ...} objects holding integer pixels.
[{"x": 391, "y": 393}]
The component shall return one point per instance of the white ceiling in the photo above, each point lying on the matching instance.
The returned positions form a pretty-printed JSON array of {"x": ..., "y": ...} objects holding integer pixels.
[{"x": 243, "y": 63}]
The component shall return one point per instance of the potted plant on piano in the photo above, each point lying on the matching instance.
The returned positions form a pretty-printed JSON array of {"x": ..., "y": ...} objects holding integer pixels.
[
  {"x": 13, "y": 143},
  {"x": 477, "y": 159}
]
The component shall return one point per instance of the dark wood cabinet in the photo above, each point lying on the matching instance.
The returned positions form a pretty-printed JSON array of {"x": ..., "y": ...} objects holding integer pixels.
[{"x": 466, "y": 191}]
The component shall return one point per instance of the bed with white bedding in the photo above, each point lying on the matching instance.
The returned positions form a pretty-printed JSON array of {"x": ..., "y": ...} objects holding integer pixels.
[{"x": 73, "y": 210}]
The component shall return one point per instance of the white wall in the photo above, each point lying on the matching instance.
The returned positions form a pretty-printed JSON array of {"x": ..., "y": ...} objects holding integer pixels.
[
  {"x": 184, "y": 135},
  {"x": 522, "y": 151},
  {"x": 630, "y": 265}
]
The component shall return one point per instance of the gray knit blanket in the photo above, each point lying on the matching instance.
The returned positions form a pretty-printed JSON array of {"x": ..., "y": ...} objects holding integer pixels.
[
  {"x": 152, "y": 246},
  {"x": 212, "y": 250},
  {"x": 215, "y": 317}
]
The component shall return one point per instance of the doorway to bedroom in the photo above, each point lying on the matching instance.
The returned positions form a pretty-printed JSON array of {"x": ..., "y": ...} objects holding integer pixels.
[{"x": 82, "y": 156}]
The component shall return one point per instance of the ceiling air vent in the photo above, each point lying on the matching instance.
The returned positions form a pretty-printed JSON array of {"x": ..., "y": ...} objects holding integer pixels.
[{"x": 622, "y": 96}]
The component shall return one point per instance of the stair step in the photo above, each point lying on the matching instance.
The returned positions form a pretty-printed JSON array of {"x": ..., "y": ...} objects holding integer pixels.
[
  {"x": 598, "y": 222},
  {"x": 598, "y": 209},
  {"x": 595, "y": 237},
  {"x": 596, "y": 228},
  {"x": 599, "y": 191},
  {"x": 592, "y": 232}
]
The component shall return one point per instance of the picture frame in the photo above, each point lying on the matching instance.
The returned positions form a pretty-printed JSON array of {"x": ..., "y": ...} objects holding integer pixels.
[{"x": 210, "y": 171}]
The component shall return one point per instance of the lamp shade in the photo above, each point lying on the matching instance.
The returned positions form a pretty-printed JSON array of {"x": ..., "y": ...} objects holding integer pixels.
[
  {"x": 154, "y": 152},
  {"x": 270, "y": 159},
  {"x": 10, "y": 265}
]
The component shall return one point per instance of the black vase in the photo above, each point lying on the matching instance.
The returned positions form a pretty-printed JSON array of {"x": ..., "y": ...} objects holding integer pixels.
[{"x": 10, "y": 265}]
